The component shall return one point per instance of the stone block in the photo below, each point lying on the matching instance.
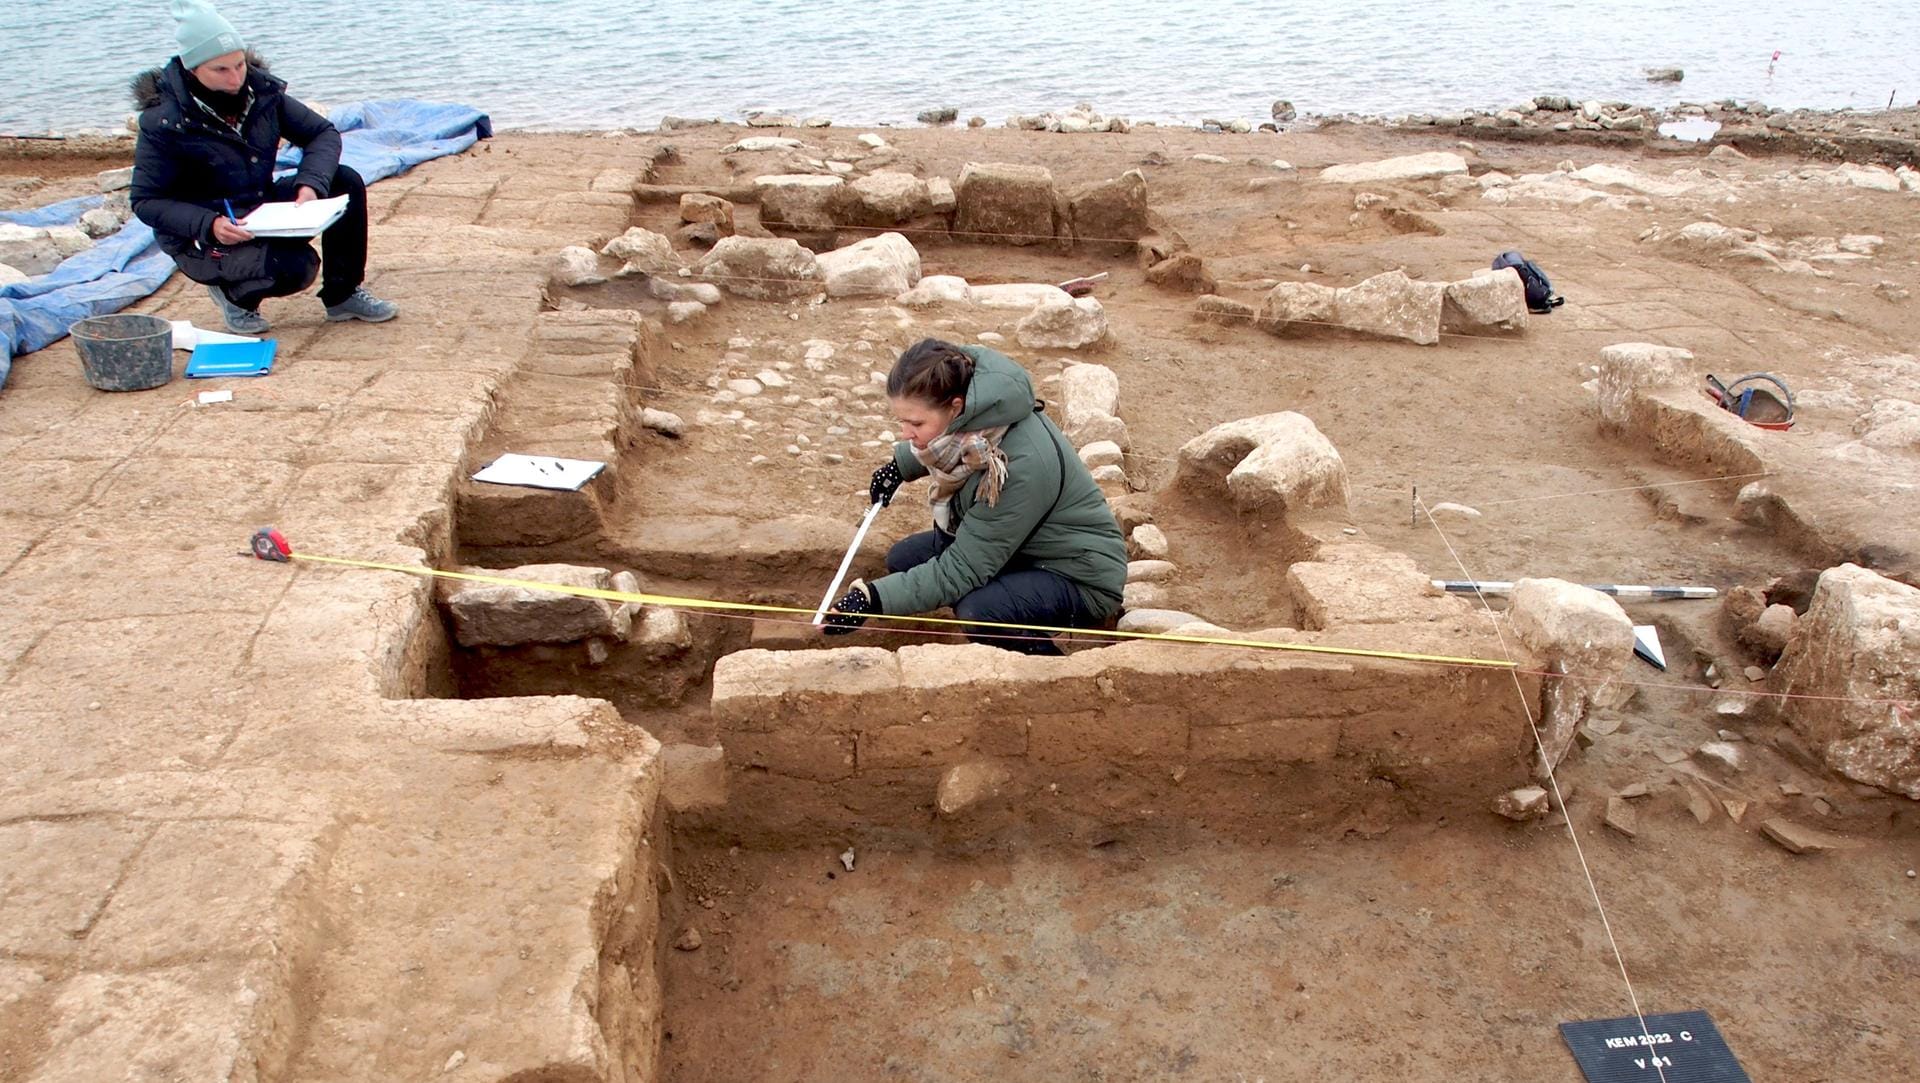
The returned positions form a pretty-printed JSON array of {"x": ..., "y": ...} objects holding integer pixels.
[
  {"x": 965, "y": 787},
  {"x": 575, "y": 265},
  {"x": 224, "y": 1019},
  {"x": 701, "y": 208},
  {"x": 1147, "y": 542},
  {"x": 1150, "y": 571},
  {"x": 1111, "y": 216},
  {"x": 803, "y": 201},
  {"x": 1087, "y": 394},
  {"x": 505, "y": 616},
  {"x": 880, "y": 266},
  {"x": 1858, "y": 646},
  {"x": 1023, "y": 296},
  {"x": 807, "y": 691},
  {"x": 1225, "y": 311},
  {"x": 940, "y": 196},
  {"x": 1489, "y": 301},
  {"x": 1392, "y": 305},
  {"x": 1068, "y": 325},
  {"x": 935, "y": 290},
  {"x": 1406, "y": 168},
  {"x": 1005, "y": 204},
  {"x": 1582, "y": 635},
  {"x": 765, "y": 269},
  {"x": 644, "y": 251},
  {"x": 1294, "y": 306},
  {"x": 888, "y": 198},
  {"x": 1274, "y": 741},
  {"x": 28, "y": 249},
  {"x": 1184, "y": 271},
  {"x": 1157, "y": 621},
  {"x": 1271, "y": 461},
  {"x": 1630, "y": 368},
  {"x": 1102, "y": 453}
]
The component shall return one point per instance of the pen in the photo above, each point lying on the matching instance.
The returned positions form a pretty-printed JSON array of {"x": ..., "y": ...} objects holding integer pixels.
[{"x": 231, "y": 217}]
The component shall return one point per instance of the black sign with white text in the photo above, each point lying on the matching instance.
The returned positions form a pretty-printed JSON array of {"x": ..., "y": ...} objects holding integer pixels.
[{"x": 1684, "y": 1046}]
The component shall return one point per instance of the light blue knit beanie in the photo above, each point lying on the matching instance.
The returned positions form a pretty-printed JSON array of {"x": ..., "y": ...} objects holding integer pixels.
[{"x": 203, "y": 34}]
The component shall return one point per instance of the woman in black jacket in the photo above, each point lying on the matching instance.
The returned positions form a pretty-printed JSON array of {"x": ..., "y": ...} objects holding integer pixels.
[{"x": 211, "y": 123}]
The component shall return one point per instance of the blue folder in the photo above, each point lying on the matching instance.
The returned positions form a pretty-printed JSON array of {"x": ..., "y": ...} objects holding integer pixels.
[{"x": 232, "y": 358}]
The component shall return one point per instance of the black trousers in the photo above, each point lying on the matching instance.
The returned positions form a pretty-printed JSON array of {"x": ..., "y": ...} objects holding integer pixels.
[
  {"x": 291, "y": 263},
  {"x": 1016, "y": 596}
]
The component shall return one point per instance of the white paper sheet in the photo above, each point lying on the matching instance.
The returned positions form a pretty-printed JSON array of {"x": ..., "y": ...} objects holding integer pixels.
[
  {"x": 539, "y": 471},
  {"x": 308, "y": 219},
  {"x": 186, "y": 336}
]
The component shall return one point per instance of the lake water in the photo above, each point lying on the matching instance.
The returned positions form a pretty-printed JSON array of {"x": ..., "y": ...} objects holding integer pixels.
[{"x": 64, "y": 64}]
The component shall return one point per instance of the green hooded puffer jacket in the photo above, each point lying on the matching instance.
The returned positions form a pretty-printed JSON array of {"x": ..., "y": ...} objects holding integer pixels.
[{"x": 1050, "y": 513}]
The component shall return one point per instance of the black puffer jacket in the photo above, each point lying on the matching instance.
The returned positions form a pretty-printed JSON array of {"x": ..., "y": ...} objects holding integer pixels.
[{"x": 188, "y": 163}]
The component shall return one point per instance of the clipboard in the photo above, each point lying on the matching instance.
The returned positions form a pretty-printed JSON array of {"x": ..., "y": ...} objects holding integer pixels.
[{"x": 211, "y": 359}]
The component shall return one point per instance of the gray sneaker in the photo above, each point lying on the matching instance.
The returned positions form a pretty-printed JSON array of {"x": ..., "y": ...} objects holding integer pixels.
[
  {"x": 241, "y": 321},
  {"x": 363, "y": 306}
]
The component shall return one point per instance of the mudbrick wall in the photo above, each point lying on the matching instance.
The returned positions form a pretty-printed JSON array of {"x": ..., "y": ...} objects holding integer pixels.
[{"x": 836, "y": 715}]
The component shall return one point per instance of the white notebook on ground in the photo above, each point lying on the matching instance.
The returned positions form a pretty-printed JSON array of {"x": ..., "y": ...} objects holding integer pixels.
[{"x": 308, "y": 219}]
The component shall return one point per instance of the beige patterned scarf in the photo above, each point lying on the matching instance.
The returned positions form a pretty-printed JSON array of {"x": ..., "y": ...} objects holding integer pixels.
[{"x": 952, "y": 458}]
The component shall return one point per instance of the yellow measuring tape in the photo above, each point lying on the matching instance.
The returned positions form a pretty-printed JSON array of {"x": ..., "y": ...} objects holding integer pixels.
[{"x": 673, "y": 602}]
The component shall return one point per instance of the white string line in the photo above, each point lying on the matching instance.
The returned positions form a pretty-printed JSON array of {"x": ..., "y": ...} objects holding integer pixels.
[{"x": 1553, "y": 780}]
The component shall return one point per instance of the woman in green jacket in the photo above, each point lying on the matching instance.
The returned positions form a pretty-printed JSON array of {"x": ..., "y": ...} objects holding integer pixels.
[{"x": 1022, "y": 535}]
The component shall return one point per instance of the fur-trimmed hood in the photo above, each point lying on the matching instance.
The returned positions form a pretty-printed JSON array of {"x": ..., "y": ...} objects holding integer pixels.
[{"x": 149, "y": 87}]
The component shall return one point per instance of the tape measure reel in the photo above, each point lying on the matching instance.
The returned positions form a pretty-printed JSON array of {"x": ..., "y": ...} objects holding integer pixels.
[{"x": 270, "y": 544}]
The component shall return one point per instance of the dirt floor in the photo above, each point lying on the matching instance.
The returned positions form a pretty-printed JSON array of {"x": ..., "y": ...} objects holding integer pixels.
[{"x": 1365, "y": 943}]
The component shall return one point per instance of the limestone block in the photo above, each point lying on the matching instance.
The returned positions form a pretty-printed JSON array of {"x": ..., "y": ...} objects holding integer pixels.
[
  {"x": 1490, "y": 300},
  {"x": 876, "y": 267},
  {"x": 1111, "y": 480},
  {"x": 1859, "y": 641},
  {"x": 1150, "y": 571},
  {"x": 69, "y": 240},
  {"x": 694, "y": 777},
  {"x": 1024, "y": 296},
  {"x": 965, "y": 787},
  {"x": 645, "y": 251},
  {"x": 940, "y": 196},
  {"x": 1183, "y": 271},
  {"x": 115, "y": 180},
  {"x": 1005, "y": 204},
  {"x": 1077, "y": 323},
  {"x": 760, "y": 144},
  {"x": 889, "y": 197},
  {"x": 1087, "y": 392},
  {"x": 1272, "y": 461},
  {"x": 1581, "y": 634},
  {"x": 101, "y": 222},
  {"x": 1111, "y": 215},
  {"x": 1225, "y": 311},
  {"x": 804, "y": 201},
  {"x": 763, "y": 268},
  {"x": 934, "y": 290},
  {"x": 1299, "y": 472},
  {"x": 505, "y": 616},
  {"x": 1409, "y": 167},
  {"x": 1628, "y": 368},
  {"x": 1158, "y": 621},
  {"x": 1393, "y": 306},
  {"x": 11, "y": 276},
  {"x": 1147, "y": 542},
  {"x": 682, "y": 311},
  {"x": 674, "y": 289},
  {"x": 576, "y": 265},
  {"x": 1101, "y": 453},
  {"x": 698, "y": 207},
  {"x": 1307, "y": 304},
  {"x": 663, "y": 629},
  {"x": 28, "y": 249},
  {"x": 1145, "y": 596}
]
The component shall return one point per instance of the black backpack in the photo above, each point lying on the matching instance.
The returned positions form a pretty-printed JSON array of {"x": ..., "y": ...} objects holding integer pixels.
[{"x": 1540, "y": 296}]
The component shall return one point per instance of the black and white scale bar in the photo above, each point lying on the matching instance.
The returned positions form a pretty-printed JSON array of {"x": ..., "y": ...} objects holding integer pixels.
[
  {"x": 1684, "y": 1046},
  {"x": 1618, "y": 590}
]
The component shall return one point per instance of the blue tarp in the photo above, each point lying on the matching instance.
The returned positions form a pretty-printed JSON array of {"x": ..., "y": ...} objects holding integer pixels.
[{"x": 379, "y": 139}]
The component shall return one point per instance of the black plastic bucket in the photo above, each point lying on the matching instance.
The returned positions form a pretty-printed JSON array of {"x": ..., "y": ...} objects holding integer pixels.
[{"x": 124, "y": 352}]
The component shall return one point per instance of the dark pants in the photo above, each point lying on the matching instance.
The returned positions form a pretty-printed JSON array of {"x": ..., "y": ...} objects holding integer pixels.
[
  {"x": 1016, "y": 596},
  {"x": 291, "y": 262}
]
